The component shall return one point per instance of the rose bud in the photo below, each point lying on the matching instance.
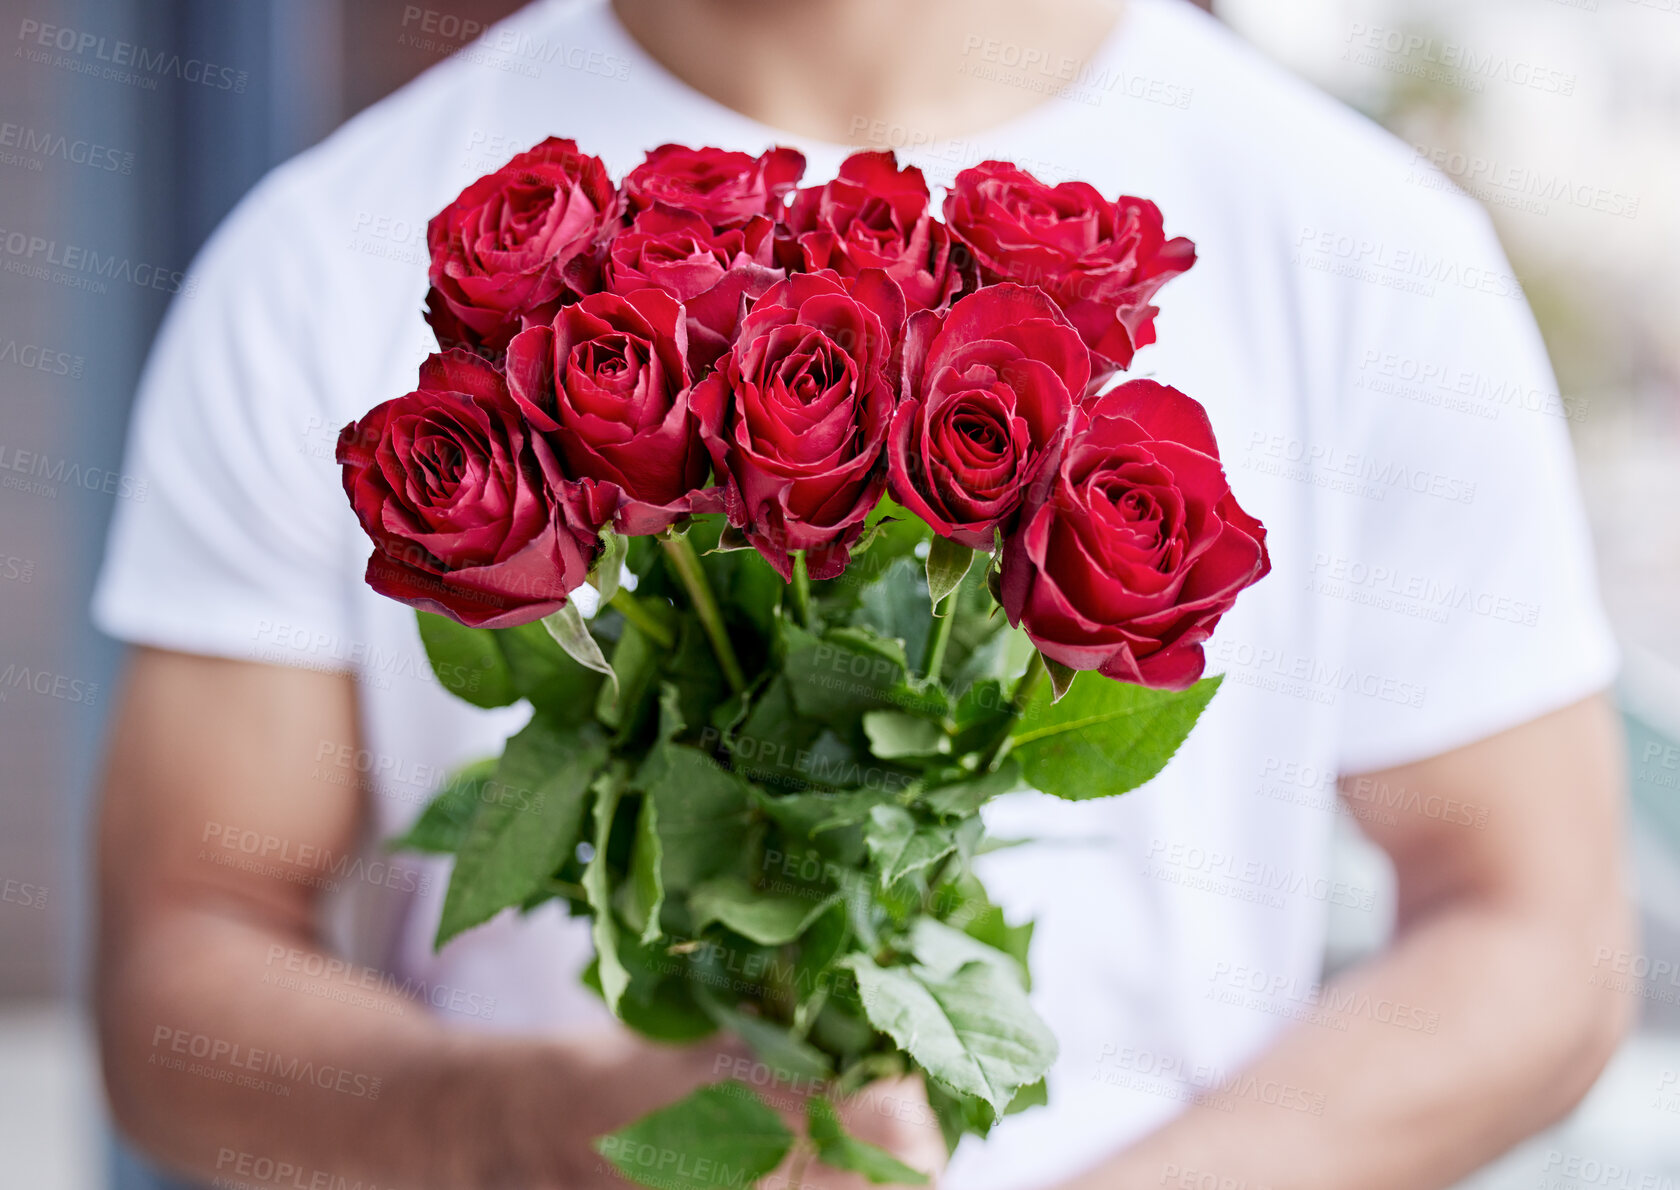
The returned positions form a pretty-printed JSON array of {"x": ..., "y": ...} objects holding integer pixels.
[
  {"x": 715, "y": 274},
  {"x": 468, "y": 511},
  {"x": 725, "y": 189},
  {"x": 607, "y": 385},
  {"x": 1138, "y": 546},
  {"x": 796, "y": 415},
  {"x": 1102, "y": 261},
  {"x": 989, "y": 391},
  {"x": 875, "y": 215},
  {"x": 515, "y": 243}
]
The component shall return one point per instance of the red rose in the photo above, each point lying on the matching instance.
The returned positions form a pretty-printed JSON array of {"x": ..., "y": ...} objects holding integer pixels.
[
  {"x": 796, "y": 414},
  {"x": 515, "y": 242},
  {"x": 1138, "y": 547},
  {"x": 467, "y": 509},
  {"x": 715, "y": 274},
  {"x": 1102, "y": 261},
  {"x": 875, "y": 215},
  {"x": 989, "y": 391},
  {"x": 724, "y": 189},
  {"x": 607, "y": 384}
]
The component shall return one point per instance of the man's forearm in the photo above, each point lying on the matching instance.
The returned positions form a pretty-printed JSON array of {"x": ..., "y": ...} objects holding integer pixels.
[
  {"x": 1389, "y": 1103},
  {"x": 227, "y": 1060}
]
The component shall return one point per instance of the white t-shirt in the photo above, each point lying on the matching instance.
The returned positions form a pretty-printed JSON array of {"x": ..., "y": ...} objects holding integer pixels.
[{"x": 1379, "y": 390}]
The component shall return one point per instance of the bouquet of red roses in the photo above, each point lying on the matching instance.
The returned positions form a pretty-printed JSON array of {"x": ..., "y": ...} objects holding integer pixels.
[{"x": 801, "y": 445}]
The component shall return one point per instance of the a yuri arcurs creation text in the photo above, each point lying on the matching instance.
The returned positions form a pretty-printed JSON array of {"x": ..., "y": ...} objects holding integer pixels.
[{"x": 874, "y": 537}]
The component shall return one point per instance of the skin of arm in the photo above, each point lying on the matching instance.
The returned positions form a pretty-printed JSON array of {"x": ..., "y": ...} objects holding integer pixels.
[
  {"x": 1511, "y": 883},
  {"x": 219, "y": 1069}
]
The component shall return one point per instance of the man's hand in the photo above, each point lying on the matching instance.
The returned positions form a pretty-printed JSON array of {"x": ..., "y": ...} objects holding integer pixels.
[
  {"x": 1509, "y": 856},
  {"x": 217, "y": 1069},
  {"x": 891, "y": 1114}
]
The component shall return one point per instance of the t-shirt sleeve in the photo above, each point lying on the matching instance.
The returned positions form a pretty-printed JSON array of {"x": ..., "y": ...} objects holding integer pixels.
[
  {"x": 1466, "y": 572},
  {"x": 237, "y": 542}
]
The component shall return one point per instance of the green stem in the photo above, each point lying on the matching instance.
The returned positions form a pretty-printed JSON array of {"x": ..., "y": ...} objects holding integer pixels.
[
  {"x": 801, "y": 590},
  {"x": 633, "y": 611},
  {"x": 687, "y": 565},
  {"x": 934, "y": 661},
  {"x": 1029, "y": 682}
]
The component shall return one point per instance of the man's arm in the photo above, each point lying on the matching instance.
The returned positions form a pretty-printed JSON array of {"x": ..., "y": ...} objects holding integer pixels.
[
  {"x": 1499, "y": 923},
  {"x": 218, "y": 1072}
]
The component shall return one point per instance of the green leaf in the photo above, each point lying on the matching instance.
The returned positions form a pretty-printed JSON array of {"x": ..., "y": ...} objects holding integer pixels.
[
  {"x": 1061, "y": 678},
  {"x": 609, "y": 565},
  {"x": 848, "y": 671},
  {"x": 1104, "y": 737},
  {"x": 900, "y": 845},
  {"x": 971, "y": 1029},
  {"x": 520, "y": 837},
  {"x": 635, "y": 663},
  {"x": 722, "y": 1135},
  {"x": 443, "y": 824},
  {"x": 944, "y": 950},
  {"x": 947, "y": 563},
  {"x": 703, "y": 811},
  {"x": 467, "y": 661},
  {"x": 965, "y": 796},
  {"x": 765, "y": 918},
  {"x": 646, "y": 888},
  {"x": 788, "y": 1057},
  {"x": 893, "y": 734},
  {"x": 959, "y": 1114},
  {"x": 569, "y": 631},
  {"x": 839, "y": 1150},
  {"x": 557, "y": 686},
  {"x": 896, "y": 606},
  {"x": 597, "y": 885},
  {"x": 1032, "y": 1095}
]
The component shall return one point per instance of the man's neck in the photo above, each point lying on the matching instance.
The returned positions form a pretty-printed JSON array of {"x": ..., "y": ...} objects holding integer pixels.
[{"x": 828, "y": 68}]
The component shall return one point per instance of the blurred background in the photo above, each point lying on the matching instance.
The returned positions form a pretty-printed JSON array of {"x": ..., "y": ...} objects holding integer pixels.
[{"x": 1582, "y": 177}]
